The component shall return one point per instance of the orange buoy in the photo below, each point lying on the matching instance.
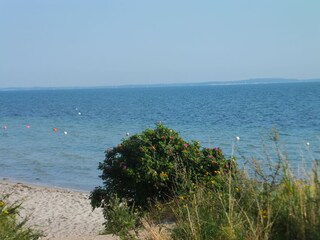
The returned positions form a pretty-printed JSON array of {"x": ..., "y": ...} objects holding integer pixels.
[{"x": 54, "y": 129}]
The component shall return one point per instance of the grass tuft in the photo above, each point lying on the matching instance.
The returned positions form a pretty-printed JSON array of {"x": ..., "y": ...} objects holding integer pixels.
[{"x": 10, "y": 228}]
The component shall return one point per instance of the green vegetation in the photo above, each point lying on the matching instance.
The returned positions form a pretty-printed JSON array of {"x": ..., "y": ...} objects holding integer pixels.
[
  {"x": 10, "y": 229},
  {"x": 120, "y": 218},
  {"x": 203, "y": 194},
  {"x": 270, "y": 203},
  {"x": 147, "y": 167}
]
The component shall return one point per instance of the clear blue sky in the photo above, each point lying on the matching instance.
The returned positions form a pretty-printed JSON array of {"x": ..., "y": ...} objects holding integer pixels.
[{"x": 50, "y": 43}]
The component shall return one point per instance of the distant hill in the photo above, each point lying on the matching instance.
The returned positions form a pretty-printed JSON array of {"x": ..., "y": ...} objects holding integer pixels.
[
  {"x": 235, "y": 82},
  {"x": 260, "y": 81}
]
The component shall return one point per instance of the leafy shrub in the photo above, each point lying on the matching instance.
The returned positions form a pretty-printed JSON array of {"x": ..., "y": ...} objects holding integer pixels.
[
  {"x": 10, "y": 229},
  {"x": 148, "y": 167}
]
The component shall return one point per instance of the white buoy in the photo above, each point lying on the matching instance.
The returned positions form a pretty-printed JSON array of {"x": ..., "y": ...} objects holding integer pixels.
[
  {"x": 127, "y": 134},
  {"x": 238, "y": 138},
  {"x": 79, "y": 113},
  {"x": 308, "y": 143},
  {"x": 65, "y": 132}
]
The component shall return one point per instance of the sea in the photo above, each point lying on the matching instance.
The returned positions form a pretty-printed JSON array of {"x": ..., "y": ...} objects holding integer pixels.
[{"x": 57, "y": 137}]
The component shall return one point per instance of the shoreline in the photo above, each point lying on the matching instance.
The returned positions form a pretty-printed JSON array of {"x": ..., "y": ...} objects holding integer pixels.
[
  {"x": 41, "y": 185},
  {"x": 60, "y": 213}
]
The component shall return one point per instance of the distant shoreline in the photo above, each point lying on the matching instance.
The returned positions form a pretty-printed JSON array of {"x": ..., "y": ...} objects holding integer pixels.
[{"x": 191, "y": 84}]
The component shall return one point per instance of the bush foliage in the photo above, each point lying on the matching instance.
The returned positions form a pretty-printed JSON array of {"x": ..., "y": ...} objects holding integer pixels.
[
  {"x": 147, "y": 167},
  {"x": 203, "y": 193}
]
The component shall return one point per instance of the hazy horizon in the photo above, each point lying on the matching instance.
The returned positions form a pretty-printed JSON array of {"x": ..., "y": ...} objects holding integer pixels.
[
  {"x": 113, "y": 43},
  {"x": 208, "y": 83}
]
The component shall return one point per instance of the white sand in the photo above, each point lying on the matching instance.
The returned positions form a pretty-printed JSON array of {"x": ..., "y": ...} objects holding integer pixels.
[{"x": 59, "y": 213}]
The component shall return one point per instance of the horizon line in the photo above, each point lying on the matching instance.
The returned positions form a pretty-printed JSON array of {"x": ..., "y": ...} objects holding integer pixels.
[{"x": 203, "y": 83}]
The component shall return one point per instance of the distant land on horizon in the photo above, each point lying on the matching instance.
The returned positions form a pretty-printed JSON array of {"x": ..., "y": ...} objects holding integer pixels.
[
  {"x": 208, "y": 83},
  {"x": 264, "y": 81}
]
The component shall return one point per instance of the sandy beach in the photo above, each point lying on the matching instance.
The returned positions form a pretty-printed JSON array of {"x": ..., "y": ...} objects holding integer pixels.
[{"x": 59, "y": 213}]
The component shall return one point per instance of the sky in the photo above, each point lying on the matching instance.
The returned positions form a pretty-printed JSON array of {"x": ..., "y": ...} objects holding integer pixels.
[{"x": 77, "y": 43}]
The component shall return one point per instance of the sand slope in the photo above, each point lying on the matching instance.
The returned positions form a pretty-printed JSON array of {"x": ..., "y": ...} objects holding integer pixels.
[{"x": 61, "y": 214}]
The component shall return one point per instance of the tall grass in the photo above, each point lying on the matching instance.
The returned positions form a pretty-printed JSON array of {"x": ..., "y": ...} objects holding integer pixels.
[
  {"x": 264, "y": 200},
  {"x": 10, "y": 228}
]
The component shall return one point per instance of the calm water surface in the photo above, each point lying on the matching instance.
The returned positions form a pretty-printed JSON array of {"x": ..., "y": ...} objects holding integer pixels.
[{"x": 96, "y": 119}]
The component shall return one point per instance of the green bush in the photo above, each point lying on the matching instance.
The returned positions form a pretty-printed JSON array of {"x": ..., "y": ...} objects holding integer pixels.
[
  {"x": 10, "y": 229},
  {"x": 149, "y": 167}
]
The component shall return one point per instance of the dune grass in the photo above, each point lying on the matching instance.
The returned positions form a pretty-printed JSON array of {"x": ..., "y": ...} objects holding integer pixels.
[
  {"x": 10, "y": 227},
  {"x": 265, "y": 200}
]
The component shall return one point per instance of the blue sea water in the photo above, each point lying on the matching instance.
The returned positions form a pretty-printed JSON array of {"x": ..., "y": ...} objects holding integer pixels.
[{"x": 97, "y": 119}]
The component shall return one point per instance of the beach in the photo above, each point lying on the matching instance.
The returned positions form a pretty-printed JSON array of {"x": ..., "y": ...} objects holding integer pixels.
[{"x": 61, "y": 214}]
